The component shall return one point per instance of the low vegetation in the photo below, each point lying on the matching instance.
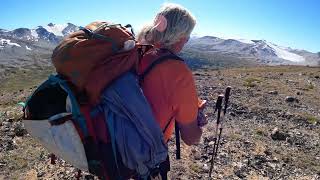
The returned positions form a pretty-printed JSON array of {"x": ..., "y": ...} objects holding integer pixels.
[
  {"x": 264, "y": 136},
  {"x": 251, "y": 82}
]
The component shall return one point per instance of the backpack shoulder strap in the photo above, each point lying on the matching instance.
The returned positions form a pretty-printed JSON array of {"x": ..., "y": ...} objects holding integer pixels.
[{"x": 161, "y": 59}]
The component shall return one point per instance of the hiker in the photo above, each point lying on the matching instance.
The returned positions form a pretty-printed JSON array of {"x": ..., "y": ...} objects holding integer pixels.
[
  {"x": 98, "y": 118},
  {"x": 170, "y": 87}
]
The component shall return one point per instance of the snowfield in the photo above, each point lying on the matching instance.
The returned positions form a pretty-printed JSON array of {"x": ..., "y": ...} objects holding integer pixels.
[
  {"x": 28, "y": 48},
  {"x": 56, "y": 29},
  {"x": 34, "y": 33},
  {"x": 284, "y": 54},
  {"x": 245, "y": 41},
  {"x": 5, "y": 42}
]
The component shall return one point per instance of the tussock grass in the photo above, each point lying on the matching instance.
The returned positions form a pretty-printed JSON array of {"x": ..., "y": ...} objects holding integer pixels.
[
  {"x": 309, "y": 87},
  {"x": 311, "y": 119},
  {"x": 261, "y": 132},
  {"x": 251, "y": 82},
  {"x": 195, "y": 168}
]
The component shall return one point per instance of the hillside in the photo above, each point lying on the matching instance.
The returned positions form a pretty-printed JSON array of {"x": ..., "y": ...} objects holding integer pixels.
[{"x": 272, "y": 127}]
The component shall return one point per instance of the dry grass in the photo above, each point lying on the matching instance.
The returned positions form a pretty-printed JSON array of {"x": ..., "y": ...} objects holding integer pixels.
[
  {"x": 300, "y": 159},
  {"x": 262, "y": 79},
  {"x": 195, "y": 168},
  {"x": 251, "y": 82},
  {"x": 309, "y": 87},
  {"x": 261, "y": 131},
  {"x": 23, "y": 79},
  {"x": 310, "y": 118}
]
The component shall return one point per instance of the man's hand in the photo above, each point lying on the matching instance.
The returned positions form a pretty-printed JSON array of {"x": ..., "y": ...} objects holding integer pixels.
[
  {"x": 191, "y": 132},
  {"x": 202, "y": 117}
]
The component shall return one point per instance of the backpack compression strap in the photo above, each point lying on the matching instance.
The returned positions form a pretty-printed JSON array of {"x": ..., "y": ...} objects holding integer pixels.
[{"x": 95, "y": 35}]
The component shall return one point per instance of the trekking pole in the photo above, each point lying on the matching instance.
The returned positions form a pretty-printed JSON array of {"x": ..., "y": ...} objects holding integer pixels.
[
  {"x": 226, "y": 101},
  {"x": 217, "y": 108},
  {"x": 219, "y": 123},
  {"x": 177, "y": 131}
]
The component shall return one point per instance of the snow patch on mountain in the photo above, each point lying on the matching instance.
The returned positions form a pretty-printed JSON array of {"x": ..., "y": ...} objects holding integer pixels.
[
  {"x": 246, "y": 41},
  {"x": 34, "y": 33},
  {"x": 28, "y": 48},
  {"x": 285, "y": 54},
  {"x": 56, "y": 29},
  {"x": 3, "y": 30},
  {"x": 5, "y": 42}
]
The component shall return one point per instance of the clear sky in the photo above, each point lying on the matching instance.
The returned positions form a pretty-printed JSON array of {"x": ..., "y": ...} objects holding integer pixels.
[{"x": 294, "y": 23}]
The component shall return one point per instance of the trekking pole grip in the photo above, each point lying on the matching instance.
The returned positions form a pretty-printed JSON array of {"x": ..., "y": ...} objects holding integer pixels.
[
  {"x": 219, "y": 107},
  {"x": 226, "y": 99}
]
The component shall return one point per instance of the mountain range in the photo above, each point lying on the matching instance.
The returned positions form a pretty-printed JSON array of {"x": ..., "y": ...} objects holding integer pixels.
[
  {"x": 33, "y": 47},
  {"x": 238, "y": 52}
]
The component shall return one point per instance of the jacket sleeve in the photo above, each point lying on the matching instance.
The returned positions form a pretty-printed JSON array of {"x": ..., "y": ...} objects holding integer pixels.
[{"x": 184, "y": 96}]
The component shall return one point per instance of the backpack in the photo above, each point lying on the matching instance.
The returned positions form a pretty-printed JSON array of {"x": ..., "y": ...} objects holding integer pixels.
[{"x": 86, "y": 133}]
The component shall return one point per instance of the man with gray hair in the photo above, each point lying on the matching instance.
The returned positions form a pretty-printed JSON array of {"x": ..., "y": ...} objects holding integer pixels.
[{"x": 170, "y": 87}]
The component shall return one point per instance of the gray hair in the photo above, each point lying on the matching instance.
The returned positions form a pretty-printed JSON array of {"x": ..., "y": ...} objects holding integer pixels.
[{"x": 180, "y": 22}]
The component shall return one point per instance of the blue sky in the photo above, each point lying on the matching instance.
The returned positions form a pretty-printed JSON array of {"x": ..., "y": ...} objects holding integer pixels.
[{"x": 294, "y": 23}]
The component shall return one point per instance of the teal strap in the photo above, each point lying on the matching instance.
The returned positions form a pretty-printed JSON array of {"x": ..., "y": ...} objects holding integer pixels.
[
  {"x": 77, "y": 116},
  {"x": 23, "y": 104}
]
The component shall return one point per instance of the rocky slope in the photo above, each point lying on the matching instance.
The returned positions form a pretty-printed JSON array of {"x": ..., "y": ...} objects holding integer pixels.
[{"x": 271, "y": 132}]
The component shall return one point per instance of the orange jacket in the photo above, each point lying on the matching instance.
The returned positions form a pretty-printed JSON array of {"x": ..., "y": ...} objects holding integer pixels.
[{"x": 170, "y": 90}]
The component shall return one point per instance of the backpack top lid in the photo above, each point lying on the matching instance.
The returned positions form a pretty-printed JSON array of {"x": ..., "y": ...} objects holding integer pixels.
[{"x": 100, "y": 53}]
